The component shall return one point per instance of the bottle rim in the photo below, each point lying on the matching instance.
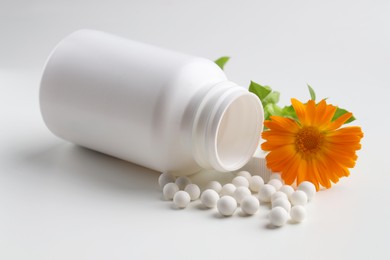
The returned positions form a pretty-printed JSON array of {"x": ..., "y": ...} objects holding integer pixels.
[{"x": 227, "y": 128}]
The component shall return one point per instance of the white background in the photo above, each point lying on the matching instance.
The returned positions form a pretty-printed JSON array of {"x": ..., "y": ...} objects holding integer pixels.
[{"x": 60, "y": 201}]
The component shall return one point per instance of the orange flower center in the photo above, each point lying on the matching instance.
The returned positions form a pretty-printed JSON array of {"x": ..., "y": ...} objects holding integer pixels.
[{"x": 309, "y": 140}]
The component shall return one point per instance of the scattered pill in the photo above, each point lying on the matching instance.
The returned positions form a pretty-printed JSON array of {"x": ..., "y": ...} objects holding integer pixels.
[
  {"x": 298, "y": 198},
  {"x": 240, "y": 193},
  {"x": 266, "y": 192},
  {"x": 182, "y": 182},
  {"x": 209, "y": 198},
  {"x": 181, "y": 199},
  {"x": 169, "y": 190},
  {"x": 278, "y": 195},
  {"x": 250, "y": 205},
  {"x": 214, "y": 185},
  {"x": 228, "y": 189},
  {"x": 287, "y": 189},
  {"x": 298, "y": 213},
  {"x": 245, "y": 174},
  {"x": 226, "y": 205},
  {"x": 255, "y": 182},
  {"x": 192, "y": 190},
  {"x": 165, "y": 178},
  {"x": 276, "y": 183},
  {"x": 240, "y": 181},
  {"x": 308, "y": 188},
  {"x": 284, "y": 203},
  {"x": 278, "y": 216}
]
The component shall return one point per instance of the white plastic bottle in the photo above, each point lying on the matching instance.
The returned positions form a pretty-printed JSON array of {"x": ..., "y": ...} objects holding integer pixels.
[{"x": 154, "y": 107}]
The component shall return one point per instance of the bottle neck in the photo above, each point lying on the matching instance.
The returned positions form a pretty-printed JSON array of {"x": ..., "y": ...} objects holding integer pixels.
[{"x": 226, "y": 127}]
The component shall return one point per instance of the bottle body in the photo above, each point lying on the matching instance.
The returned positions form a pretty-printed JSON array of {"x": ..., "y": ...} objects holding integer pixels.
[{"x": 127, "y": 99}]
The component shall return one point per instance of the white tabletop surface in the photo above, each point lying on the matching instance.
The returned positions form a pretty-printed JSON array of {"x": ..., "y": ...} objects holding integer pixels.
[{"x": 60, "y": 201}]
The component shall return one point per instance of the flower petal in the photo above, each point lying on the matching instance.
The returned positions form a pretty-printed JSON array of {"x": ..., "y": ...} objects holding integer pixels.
[
  {"x": 339, "y": 121},
  {"x": 281, "y": 123},
  {"x": 321, "y": 109},
  {"x": 290, "y": 170},
  {"x": 310, "y": 112},
  {"x": 299, "y": 110}
]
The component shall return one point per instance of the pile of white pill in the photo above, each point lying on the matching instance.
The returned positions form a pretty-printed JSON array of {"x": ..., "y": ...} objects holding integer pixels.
[{"x": 244, "y": 191}]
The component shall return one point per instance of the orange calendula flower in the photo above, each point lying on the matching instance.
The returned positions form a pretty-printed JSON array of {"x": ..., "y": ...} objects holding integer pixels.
[{"x": 313, "y": 148}]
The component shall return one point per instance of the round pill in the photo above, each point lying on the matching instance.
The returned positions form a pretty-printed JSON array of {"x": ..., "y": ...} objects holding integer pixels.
[
  {"x": 266, "y": 192},
  {"x": 284, "y": 203},
  {"x": 245, "y": 174},
  {"x": 298, "y": 198},
  {"x": 182, "y": 182},
  {"x": 192, "y": 190},
  {"x": 228, "y": 189},
  {"x": 308, "y": 188},
  {"x": 165, "y": 178},
  {"x": 240, "y": 193},
  {"x": 287, "y": 189},
  {"x": 276, "y": 183},
  {"x": 181, "y": 199},
  {"x": 226, "y": 205},
  {"x": 278, "y": 195},
  {"x": 214, "y": 185},
  {"x": 255, "y": 182},
  {"x": 169, "y": 190},
  {"x": 250, "y": 205},
  {"x": 278, "y": 216},
  {"x": 298, "y": 213},
  {"x": 275, "y": 176},
  {"x": 209, "y": 198},
  {"x": 240, "y": 181}
]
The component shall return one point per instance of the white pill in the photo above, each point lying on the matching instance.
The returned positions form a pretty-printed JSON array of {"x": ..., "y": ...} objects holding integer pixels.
[
  {"x": 182, "y": 182},
  {"x": 275, "y": 176},
  {"x": 165, "y": 178},
  {"x": 276, "y": 183},
  {"x": 244, "y": 174},
  {"x": 181, "y": 199},
  {"x": 240, "y": 181},
  {"x": 266, "y": 192},
  {"x": 169, "y": 190},
  {"x": 298, "y": 198},
  {"x": 255, "y": 182},
  {"x": 308, "y": 188},
  {"x": 193, "y": 190},
  {"x": 226, "y": 205},
  {"x": 278, "y": 216},
  {"x": 278, "y": 195},
  {"x": 240, "y": 193},
  {"x": 214, "y": 185},
  {"x": 228, "y": 189},
  {"x": 250, "y": 205},
  {"x": 298, "y": 213},
  {"x": 284, "y": 203},
  {"x": 209, "y": 198},
  {"x": 287, "y": 189}
]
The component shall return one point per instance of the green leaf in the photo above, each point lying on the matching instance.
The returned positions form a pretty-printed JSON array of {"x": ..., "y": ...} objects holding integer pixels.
[
  {"x": 268, "y": 98},
  {"x": 272, "y": 97},
  {"x": 273, "y": 109},
  {"x": 341, "y": 111},
  {"x": 289, "y": 111},
  {"x": 312, "y": 92},
  {"x": 259, "y": 90},
  {"x": 222, "y": 61}
]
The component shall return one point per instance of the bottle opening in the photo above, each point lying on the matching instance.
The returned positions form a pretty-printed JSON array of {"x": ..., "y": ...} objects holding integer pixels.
[
  {"x": 238, "y": 132},
  {"x": 227, "y": 128}
]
